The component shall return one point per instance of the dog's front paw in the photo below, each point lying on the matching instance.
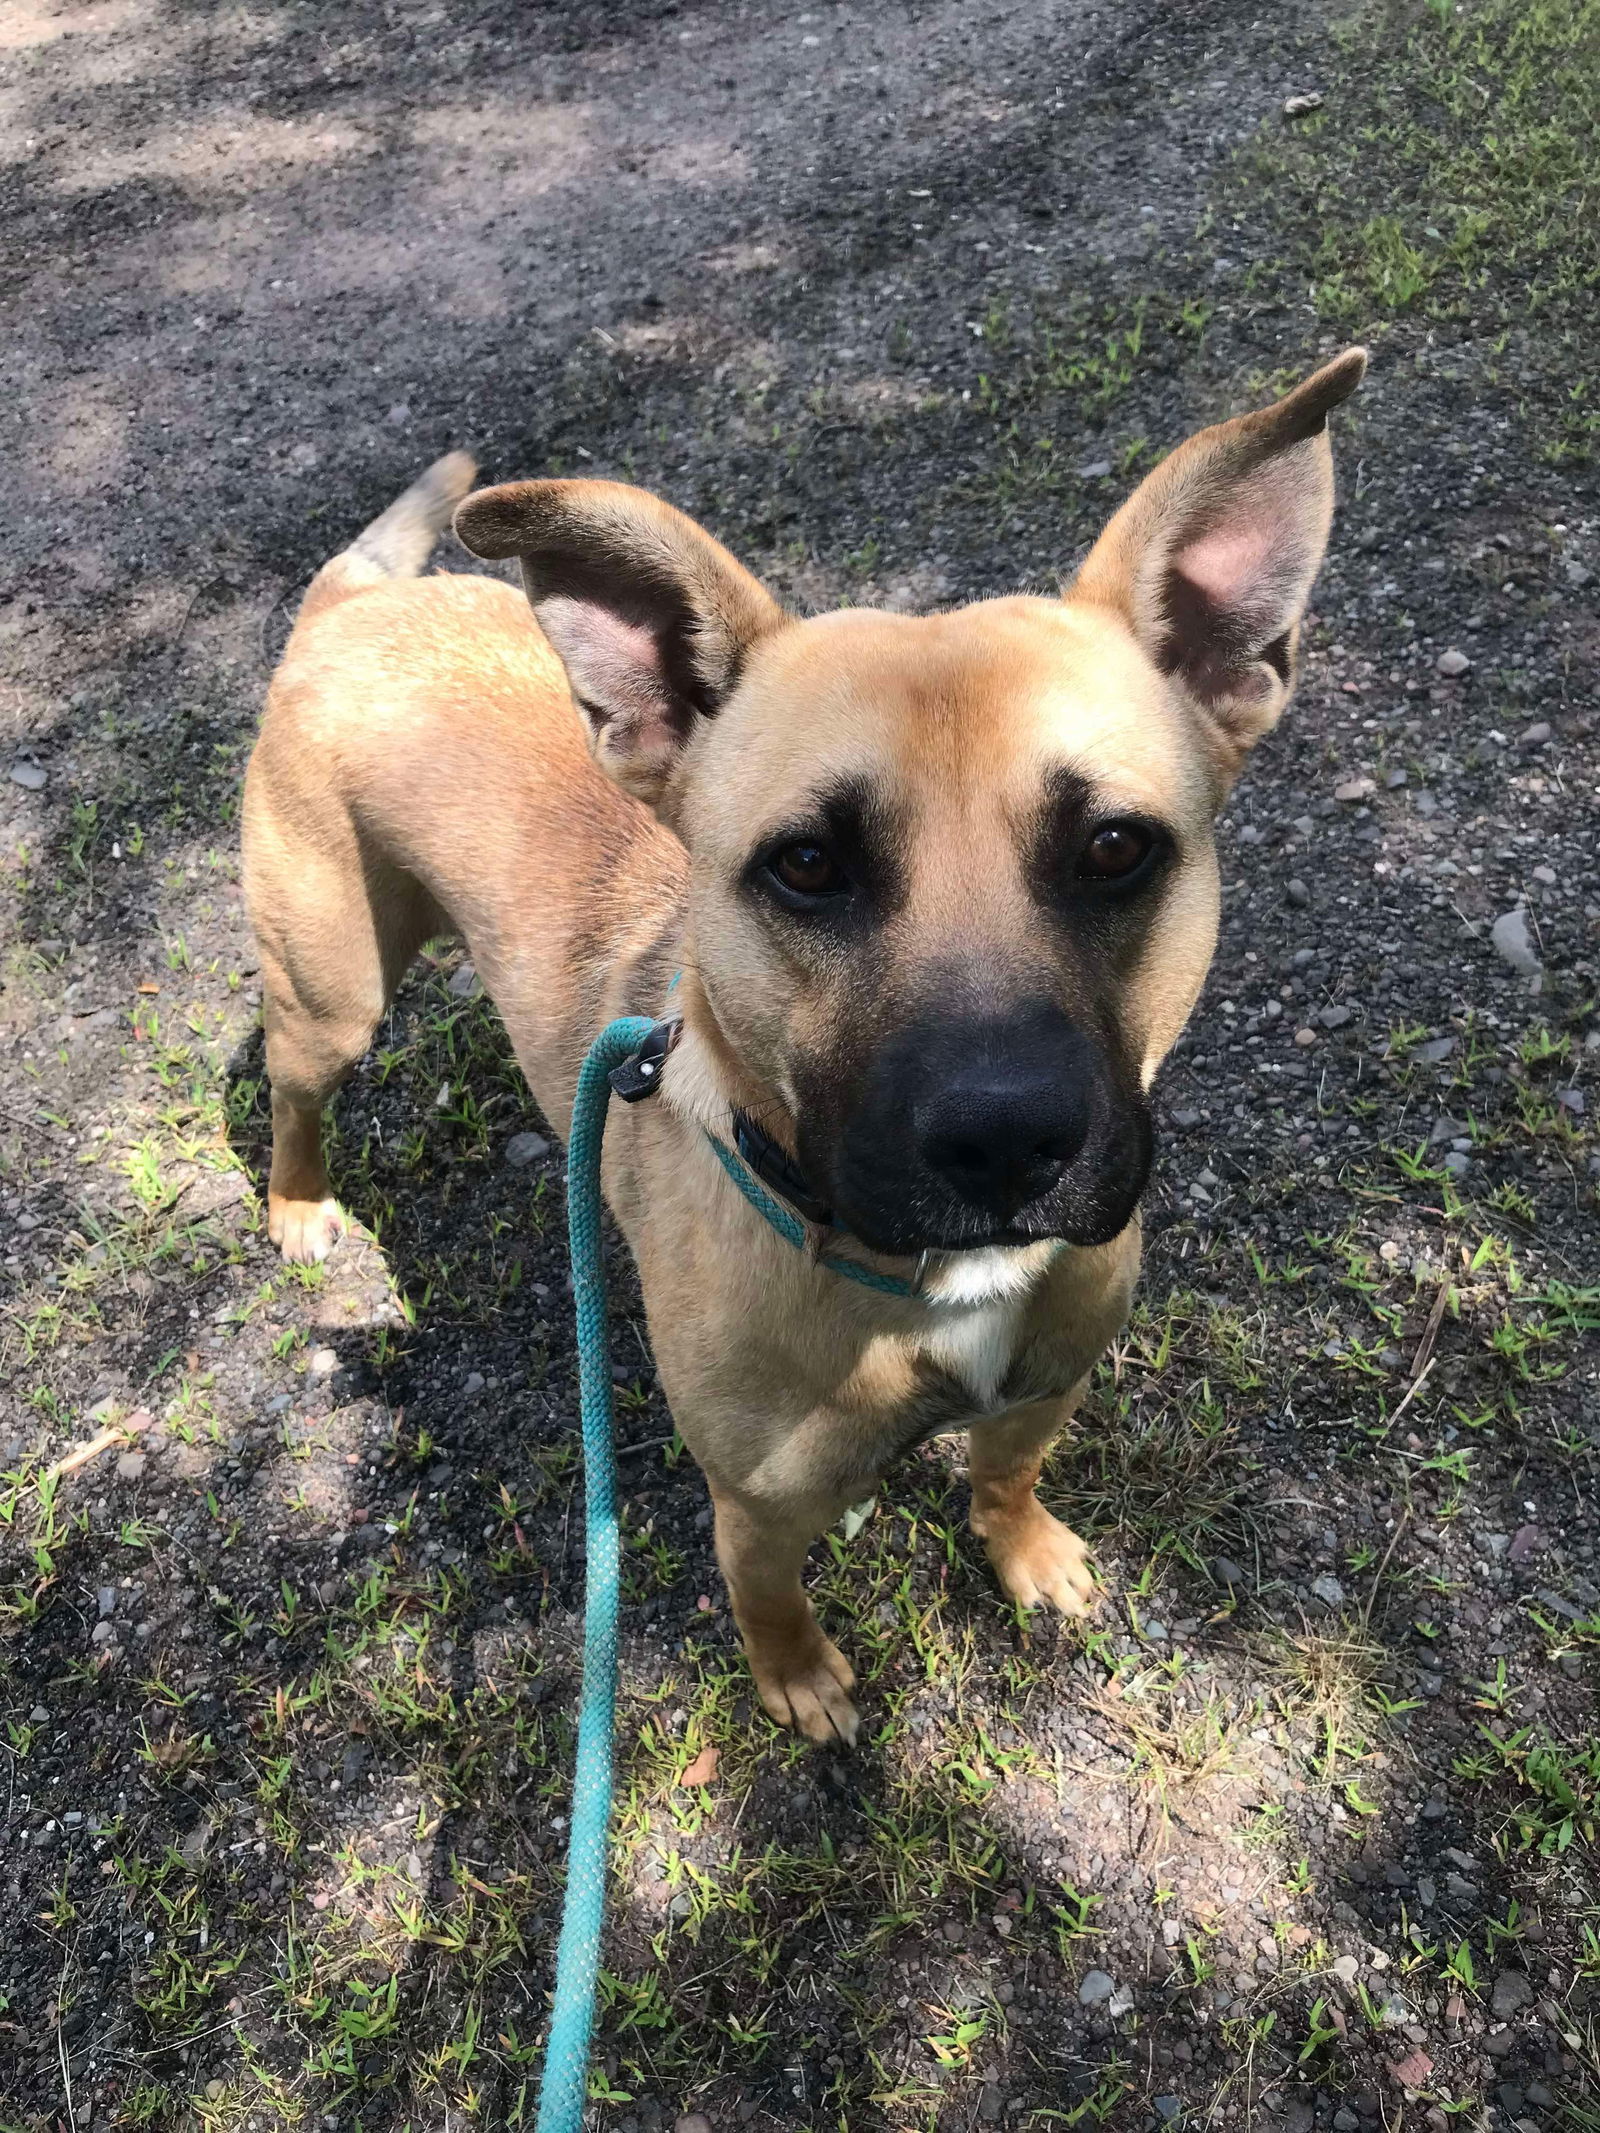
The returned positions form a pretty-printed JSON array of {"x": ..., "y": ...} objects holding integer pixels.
[
  {"x": 305, "y": 1231},
  {"x": 1038, "y": 1559},
  {"x": 807, "y": 1684}
]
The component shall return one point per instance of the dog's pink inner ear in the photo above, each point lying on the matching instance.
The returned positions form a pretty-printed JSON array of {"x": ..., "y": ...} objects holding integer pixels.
[
  {"x": 1233, "y": 590},
  {"x": 614, "y": 666},
  {"x": 617, "y": 671}
]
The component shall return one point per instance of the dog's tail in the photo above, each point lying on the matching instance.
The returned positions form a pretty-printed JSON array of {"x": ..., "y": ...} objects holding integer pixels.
[{"x": 400, "y": 540}]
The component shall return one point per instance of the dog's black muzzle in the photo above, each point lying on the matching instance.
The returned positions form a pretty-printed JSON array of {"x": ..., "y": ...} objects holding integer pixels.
[{"x": 1002, "y": 1130}]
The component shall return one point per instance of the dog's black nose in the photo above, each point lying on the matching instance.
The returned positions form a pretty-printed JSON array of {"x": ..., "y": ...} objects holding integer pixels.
[{"x": 1002, "y": 1140}]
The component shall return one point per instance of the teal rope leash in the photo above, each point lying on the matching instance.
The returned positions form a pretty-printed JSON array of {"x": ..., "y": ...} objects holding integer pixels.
[{"x": 566, "y": 2061}]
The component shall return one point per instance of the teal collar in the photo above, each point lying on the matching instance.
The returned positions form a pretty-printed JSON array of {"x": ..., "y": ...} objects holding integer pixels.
[{"x": 790, "y": 1227}]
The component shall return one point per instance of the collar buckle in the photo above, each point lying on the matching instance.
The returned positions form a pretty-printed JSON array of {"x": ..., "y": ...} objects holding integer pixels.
[{"x": 639, "y": 1075}]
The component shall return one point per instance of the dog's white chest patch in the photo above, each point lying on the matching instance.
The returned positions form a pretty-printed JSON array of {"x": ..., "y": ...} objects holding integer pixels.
[
  {"x": 975, "y": 1343},
  {"x": 981, "y": 1300}
]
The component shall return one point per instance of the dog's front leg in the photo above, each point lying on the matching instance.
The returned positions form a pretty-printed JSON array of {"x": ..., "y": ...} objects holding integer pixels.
[
  {"x": 1035, "y": 1556},
  {"x": 803, "y": 1679}
]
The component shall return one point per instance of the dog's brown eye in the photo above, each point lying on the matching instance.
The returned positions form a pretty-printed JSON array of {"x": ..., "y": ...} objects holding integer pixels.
[
  {"x": 808, "y": 869},
  {"x": 1115, "y": 852}
]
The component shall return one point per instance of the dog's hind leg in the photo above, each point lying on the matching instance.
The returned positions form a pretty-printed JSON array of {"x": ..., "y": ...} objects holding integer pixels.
[
  {"x": 334, "y": 944},
  {"x": 1035, "y": 1556}
]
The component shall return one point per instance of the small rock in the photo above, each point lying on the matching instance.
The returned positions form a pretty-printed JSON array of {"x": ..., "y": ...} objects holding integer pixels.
[
  {"x": 32, "y": 777},
  {"x": 1094, "y": 470},
  {"x": 1345, "y": 2120},
  {"x": 1355, "y": 789},
  {"x": 130, "y": 1466},
  {"x": 1185, "y": 1119},
  {"x": 1435, "y": 1051},
  {"x": 106, "y": 1601},
  {"x": 103, "y": 1633},
  {"x": 1297, "y": 893},
  {"x": 1453, "y": 664},
  {"x": 38, "y": 1716},
  {"x": 692, "y": 2122},
  {"x": 1513, "y": 942},
  {"x": 1299, "y": 107},
  {"x": 1331, "y": 1593},
  {"x": 1168, "y": 2109},
  {"x": 1333, "y": 1017},
  {"x": 1120, "y": 2002},
  {"x": 464, "y": 985},
  {"x": 1523, "y": 1543},
  {"x": 1413, "y": 2070},
  {"x": 1305, "y": 1038},
  {"x": 473, "y": 1385},
  {"x": 1457, "y": 1163},
  {"x": 1227, "y": 1572},
  {"x": 1395, "y": 780},
  {"x": 1097, "y": 1986},
  {"x": 525, "y": 1148},
  {"x": 323, "y": 1362},
  {"x": 1345, "y": 1968},
  {"x": 1572, "y": 1100},
  {"x": 1513, "y": 1989},
  {"x": 1534, "y": 736}
]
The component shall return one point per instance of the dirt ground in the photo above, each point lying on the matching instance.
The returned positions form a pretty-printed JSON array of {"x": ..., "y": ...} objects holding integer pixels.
[{"x": 1299, "y": 1830}]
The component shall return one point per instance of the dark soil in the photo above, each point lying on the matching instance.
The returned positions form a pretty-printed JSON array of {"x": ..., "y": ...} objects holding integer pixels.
[{"x": 899, "y": 299}]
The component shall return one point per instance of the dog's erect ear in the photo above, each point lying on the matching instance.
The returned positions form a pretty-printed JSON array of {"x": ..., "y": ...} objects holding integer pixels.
[
  {"x": 650, "y": 616},
  {"x": 1211, "y": 560}
]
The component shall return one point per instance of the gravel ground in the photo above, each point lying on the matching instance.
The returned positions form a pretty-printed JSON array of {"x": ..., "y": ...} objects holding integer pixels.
[{"x": 1300, "y": 1831}]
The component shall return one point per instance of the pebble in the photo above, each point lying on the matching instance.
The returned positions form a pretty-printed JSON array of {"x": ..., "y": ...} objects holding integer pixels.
[
  {"x": 32, "y": 777},
  {"x": 1227, "y": 1572},
  {"x": 1168, "y": 2109},
  {"x": 1345, "y": 1968},
  {"x": 1331, "y": 1593},
  {"x": 106, "y": 1600},
  {"x": 1297, "y": 107},
  {"x": 1534, "y": 736},
  {"x": 692, "y": 2122},
  {"x": 1453, "y": 664},
  {"x": 1097, "y": 1986},
  {"x": 1512, "y": 941},
  {"x": 130, "y": 1466},
  {"x": 1355, "y": 789},
  {"x": 525, "y": 1148},
  {"x": 1094, "y": 470},
  {"x": 323, "y": 1363},
  {"x": 473, "y": 1386},
  {"x": 465, "y": 985},
  {"x": 1298, "y": 894},
  {"x": 1333, "y": 1017},
  {"x": 1513, "y": 1989},
  {"x": 1305, "y": 1038}
]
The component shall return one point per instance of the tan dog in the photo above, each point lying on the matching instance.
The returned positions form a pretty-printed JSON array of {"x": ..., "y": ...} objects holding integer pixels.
[{"x": 942, "y": 892}]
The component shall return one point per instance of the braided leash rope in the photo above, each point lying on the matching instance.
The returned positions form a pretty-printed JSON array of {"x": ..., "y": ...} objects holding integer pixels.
[{"x": 566, "y": 2065}]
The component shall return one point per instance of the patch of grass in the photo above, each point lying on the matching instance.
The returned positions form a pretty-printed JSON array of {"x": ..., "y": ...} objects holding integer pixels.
[{"x": 1452, "y": 179}]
